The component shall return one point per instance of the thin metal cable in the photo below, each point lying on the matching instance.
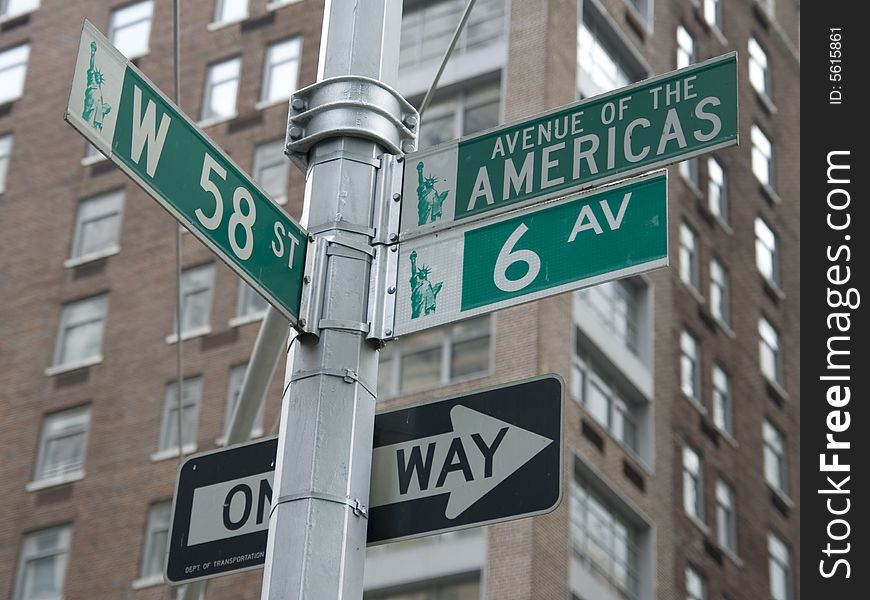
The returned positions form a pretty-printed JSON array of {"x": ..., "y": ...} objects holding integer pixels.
[
  {"x": 176, "y": 60},
  {"x": 428, "y": 97},
  {"x": 276, "y": 425}
]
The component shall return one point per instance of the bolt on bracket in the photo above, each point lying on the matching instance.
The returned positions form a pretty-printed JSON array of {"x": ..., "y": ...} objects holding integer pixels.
[
  {"x": 349, "y": 105},
  {"x": 382, "y": 303},
  {"x": 313, "y": 280},
  {"x": 387, "y": 211}
]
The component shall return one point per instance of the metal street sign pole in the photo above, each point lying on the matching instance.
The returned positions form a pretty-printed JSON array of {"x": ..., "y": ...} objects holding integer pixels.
[{"x": 317, "y": 530}]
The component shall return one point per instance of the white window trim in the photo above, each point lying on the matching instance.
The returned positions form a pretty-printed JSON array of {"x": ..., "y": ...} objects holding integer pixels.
[
  {"x": 26, "y": 69},
  {"x": 255, "y": 433},
  {"x": 25, "y": 558},
  {"x": 188, "y": 448},
  {"x": 146, "y": 582},
  {"x": 68, "y": 477},
  {"x": 264, "y": 104},
  {"x": 12, "y": 17},
  {"x": 240, "y": 320},
  {"x": 86, "y": 258},
  {"x": 73, "y": 366},
  {"x": 276, "y": 4},
  {"x": 87, "y": 161},
  {"x": 110, "y": 32},
  {"x": 647, "y": 19},
  {"x": 172, "y": 338},
  {"x": 212, "y": 121}
]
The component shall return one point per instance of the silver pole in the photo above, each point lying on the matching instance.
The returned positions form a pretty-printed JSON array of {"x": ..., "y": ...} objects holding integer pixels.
[{"x": 317, "y": 540}]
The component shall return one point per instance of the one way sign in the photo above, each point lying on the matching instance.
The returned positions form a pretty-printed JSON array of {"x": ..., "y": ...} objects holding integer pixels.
[
  {"x": 482, "y": 458},
  {"x": 491, "y": 456}
]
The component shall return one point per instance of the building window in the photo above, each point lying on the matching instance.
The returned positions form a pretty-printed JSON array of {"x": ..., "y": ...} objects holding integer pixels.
[
  {"x": 13, "y": 70},
  {"x": 62, "y": 443},
  {"x": 690, "y": 366},
  {"x": 130, "y": 28},
  {"x": 462, "y": 113},
  {"x": 271, "y": 170},
  {"x": 617, "y": 305},
  {"x": 775, "y": 470},
  {"x": 281, "y": 70},
  {"x": 221, "y": 89},
  {"x": 196, "y": 291},
  {"x": 249, "y": 303},
  {"x": 604, "y": 402},
  {"x": 762, "y": 156},
  {"x": 766, "y": 251},
  {"x": 759, "y": 72},
  {"x": 98, "y": 225},
  {"x": 156, "y": 540},
  {"x": 713, "y": 13},
  {"x": 770, "y": 351},
  {"x": 689, "y": 263},
  {"x": 693, "y": 484},
  {"x": 779, "y": 562},
  {"x": 685, "y": 48},
  {"x": 696, "y": 586},
  {"x": 722, "y": 404},
  {"x": 719, "y": 292},
  {"x": 5, "y": 157},
  {"x": 229, "y": 11},
  {"x": 428, "y": 26},
  {"x": 11, "y": 8},
  {"x": 436, "y": 357},
  {"x": 191, "y": 397},
  {"x": 605, "y": 60},
  {"x": 726, "y": 516},
  {"x": 603, "y": 537},
  {"x": 461, "y": 590},
  {"x": 643, "y": 9},
  {"x": 234, "y": 391},
  {"x": 80, "y": 334},
  {"x": 717, "y": 197},
  {"x": 42, "y": 568}
]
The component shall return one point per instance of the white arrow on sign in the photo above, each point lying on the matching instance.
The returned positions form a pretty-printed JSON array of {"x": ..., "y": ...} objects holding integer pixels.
[{"x": 467, "y": 463}]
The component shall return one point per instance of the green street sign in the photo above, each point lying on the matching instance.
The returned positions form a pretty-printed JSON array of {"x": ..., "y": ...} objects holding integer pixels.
[
  {"x": 532, "y": 253},
  {"x": 128, "y": 119},
  {"x": 625, "y": 132}
]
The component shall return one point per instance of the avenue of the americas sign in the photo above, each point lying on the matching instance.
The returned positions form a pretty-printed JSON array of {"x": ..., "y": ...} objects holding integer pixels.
[{"x": 631, "y": 130}]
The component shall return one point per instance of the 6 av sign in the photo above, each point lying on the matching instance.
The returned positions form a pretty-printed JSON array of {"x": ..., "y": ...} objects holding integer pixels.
[
  {"x": 532, "y": 253},
  {"x": 128, "y": 119},
  {"x": 628, "y": 131},
  {"x": 486, "y": 457}
]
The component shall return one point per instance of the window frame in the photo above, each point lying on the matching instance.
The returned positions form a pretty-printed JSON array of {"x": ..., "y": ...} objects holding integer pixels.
[
  {"x": 717, "y": 202},
  {"x": 191, "y": 400},
  {"x": 70, "y": 471},
  {"x": 453, "y": 108},
  {"x": 153, "y": 527},
  {"x": 767, "y": 155},
  {"x": 770, "y": 350},
  {"x": 7, "y": 142},
  {"x": 694, "y": 509},
  {"x": 726, "y": 515},
  {"x": 397, "y": 351},
  {"x": 694, "y": 362},
  {"x": 720, "y": 292},
  {"x": 244, "y": 294},
  {"x": 714, "y": 6},
  {"x": 756, "y": 51},
  {"x": 218, "y": 15},
  {"x": 16, "y": 91},
  {"x": 208, "y": 117},
  {"x": 234, "y": 390},
  {"x": 186, "y": 292},
  {"x": 5, "y": 15},
  {"x": 64, "y": 326},
  {"x": 723, "y": 403},
  {"x": 25, "y": 556},
  {"x": 778, "y": 455},
  {"x": 261, "y": 162},
  {"x": 690, "y": 257},
  {"x": 266, "y": 97},
  {"x": 770, "y": 253},
  {"x": 116, "y": 211},
  {"x": 113, "y": 29},
  {"x": 694, "y": 575},
  {"x": 785, "y": 567}
]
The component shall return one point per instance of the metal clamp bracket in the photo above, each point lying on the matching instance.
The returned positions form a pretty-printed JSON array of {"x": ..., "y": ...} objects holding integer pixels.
[
  {"x": 358, "y": 508},
  {"x": 349, "y": 105},
  {"x": 311, "y": 302},
  {"x": 348, "y": 375},
  {"x": 382, "y": 292},
  {"x": 388, "y": 196}
]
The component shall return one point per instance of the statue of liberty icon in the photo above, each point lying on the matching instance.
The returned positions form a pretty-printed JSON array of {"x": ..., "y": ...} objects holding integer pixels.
[
  {"x": 429, "y": 200},
  {"x": 95, "y": 107},
  {"x": 423, "y": 291}
]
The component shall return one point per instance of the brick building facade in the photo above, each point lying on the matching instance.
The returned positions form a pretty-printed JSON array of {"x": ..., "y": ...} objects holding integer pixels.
[{"x": 682, "y": 402}]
